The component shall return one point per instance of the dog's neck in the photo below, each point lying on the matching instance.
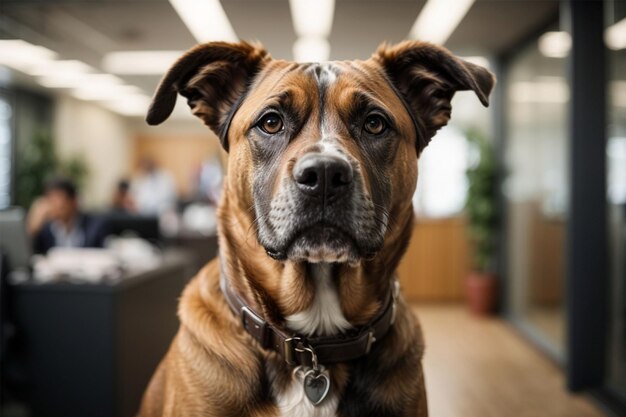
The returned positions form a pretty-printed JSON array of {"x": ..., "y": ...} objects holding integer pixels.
[
  {"x": 324, "y": 315},
  {"x": 311, "y": 299}
]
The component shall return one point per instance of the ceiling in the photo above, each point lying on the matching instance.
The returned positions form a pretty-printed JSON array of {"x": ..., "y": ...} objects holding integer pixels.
[{"x": 88, "y": 29}]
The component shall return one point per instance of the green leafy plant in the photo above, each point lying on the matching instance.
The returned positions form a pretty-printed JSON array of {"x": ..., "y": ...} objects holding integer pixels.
[
  {"x": 37, "y": 162},
  {"x": 74, "y": 167},
  {"x": 481, "y": 202}
]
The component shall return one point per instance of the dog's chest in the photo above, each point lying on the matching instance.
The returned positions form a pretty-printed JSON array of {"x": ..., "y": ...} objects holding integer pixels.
[{"x": 323, "y": 316}]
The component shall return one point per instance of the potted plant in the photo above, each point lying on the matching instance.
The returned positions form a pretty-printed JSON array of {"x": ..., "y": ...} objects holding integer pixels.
[
  {"x": 37, "y": 161},
  {"x": 482, "y": 222}
]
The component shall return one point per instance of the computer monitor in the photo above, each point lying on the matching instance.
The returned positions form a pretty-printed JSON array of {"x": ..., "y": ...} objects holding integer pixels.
[
  {"x": 146, "y": 227},
  {"x": 14, "y": 241}
]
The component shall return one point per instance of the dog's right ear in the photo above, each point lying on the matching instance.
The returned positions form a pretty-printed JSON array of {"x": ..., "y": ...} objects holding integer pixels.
[{"x": 213, "y": 77}]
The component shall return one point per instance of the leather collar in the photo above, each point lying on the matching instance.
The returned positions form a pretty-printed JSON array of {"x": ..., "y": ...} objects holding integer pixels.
[{"x": 297, "y": 349}]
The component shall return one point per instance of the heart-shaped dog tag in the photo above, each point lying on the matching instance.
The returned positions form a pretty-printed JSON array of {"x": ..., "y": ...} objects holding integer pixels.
[{"x": 316, "y": 386}]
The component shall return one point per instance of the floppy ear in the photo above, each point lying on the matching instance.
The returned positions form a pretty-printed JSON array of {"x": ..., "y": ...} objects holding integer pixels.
[
  {"x": 426, "y": 77},
  {"x": 213, "y": 77}
]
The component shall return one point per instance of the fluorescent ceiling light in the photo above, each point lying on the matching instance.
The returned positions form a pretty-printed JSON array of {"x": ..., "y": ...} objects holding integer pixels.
[
  {"x": 140, "y": 62},
  {"x": 41, "y": 63},
  {"x": 555, "y": 44},
  {"x": 131, "y": 105},
  {"x": 205, "y": 19},
  {"x": 477, "y": 60},
  {"x": 60, "y": 69},
  {"x": 312, "y": 18},
  {"x": 105, "y": 92},
  {"x": 615, "y": 35},
  {"x": 84, "y": 81},
  {"x": 23, "y": 56},
  {"x": 311, "y": 50},
  {"x": 438, "y": 19}
]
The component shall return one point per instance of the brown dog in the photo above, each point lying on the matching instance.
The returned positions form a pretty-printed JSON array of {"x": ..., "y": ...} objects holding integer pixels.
[{"x": 315, "y": 216}]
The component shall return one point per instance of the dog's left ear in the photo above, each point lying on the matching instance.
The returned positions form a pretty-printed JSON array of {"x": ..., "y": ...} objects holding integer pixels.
[
  {"x": 213, "y": 77},
  {"x": 426, "y": 77}
]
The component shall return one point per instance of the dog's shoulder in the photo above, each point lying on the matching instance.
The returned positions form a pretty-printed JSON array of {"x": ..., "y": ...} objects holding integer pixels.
[
  {"x": 208, "y": 323},
  {"x": 209, "y": 359}
]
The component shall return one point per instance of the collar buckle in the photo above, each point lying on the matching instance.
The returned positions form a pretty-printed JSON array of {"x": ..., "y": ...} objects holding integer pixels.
[
  {"x": 255, "y": 325},
  {"x": 289, "y": 350}
]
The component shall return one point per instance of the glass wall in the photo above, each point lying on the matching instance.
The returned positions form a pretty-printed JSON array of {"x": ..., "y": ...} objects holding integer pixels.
[
  {"x": 535, "y": 187},
  {"x": 5, "y": 151},
  {"x": 616, "y": 189}
]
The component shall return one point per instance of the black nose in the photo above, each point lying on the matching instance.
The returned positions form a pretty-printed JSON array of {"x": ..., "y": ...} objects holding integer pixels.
[{"x": 321, "y": 175}]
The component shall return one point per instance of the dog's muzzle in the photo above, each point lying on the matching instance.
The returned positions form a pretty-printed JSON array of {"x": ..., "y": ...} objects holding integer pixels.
[{"x": 322, "y": 212}]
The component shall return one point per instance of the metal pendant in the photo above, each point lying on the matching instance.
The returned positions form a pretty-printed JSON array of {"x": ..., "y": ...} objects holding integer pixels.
[{"x": 316, "y": 385}]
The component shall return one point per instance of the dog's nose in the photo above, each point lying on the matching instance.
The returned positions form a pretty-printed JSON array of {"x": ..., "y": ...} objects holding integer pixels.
[{"x": 322, "y": 175}]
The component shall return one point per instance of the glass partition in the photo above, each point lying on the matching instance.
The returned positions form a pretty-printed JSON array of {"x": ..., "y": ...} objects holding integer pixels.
[
  {"x": 5, "y": 151},
  {"x": 535, "y": 187}
]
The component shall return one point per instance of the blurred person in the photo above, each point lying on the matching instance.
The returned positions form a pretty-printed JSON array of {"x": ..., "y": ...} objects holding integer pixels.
[
  {"x": 55, "y": 220},
  {"x": 122, "y": 200},
  {"x": 153, "y": 190},
  {"x": 207, "y": 181}
]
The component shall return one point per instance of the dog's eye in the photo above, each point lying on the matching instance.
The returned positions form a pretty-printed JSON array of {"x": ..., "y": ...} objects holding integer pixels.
[
  {"x": 271, "y": 123},
  {"x": 375, "y": 124}
]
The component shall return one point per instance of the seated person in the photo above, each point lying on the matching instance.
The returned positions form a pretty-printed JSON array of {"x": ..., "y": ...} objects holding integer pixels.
[
  {"x": 122, "y": 201},
  {"x": 55, "y": 220}
]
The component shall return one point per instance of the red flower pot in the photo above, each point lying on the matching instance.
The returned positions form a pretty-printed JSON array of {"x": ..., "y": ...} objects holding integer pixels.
[{"x": 481, "y": 290}]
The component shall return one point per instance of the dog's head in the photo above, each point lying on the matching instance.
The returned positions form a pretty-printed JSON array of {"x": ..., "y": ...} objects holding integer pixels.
[{"x": 321, "y": 155}]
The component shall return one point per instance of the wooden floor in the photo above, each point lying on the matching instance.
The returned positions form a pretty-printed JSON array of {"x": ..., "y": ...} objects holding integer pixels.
[{"x": 482, "y": 368}]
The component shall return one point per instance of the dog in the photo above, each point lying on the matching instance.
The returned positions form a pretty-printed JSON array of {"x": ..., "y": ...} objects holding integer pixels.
[{"x": 300, "y": 314}]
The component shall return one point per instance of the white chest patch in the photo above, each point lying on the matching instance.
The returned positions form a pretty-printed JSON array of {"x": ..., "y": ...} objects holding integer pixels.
[
  {"x": 292, "y": 402},
  {"x": 324, "y": 316}
]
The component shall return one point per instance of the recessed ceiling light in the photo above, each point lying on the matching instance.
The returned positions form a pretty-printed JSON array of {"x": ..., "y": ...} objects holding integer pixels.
[
  {"x": 438, "y": 19},
  {"x": 555, "y": 44},
  {"x": 615, "y": 35},
  {"x": 205, "y": 19}
]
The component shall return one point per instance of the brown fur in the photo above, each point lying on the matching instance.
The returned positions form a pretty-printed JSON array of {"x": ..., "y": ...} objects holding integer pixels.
[{"x": 214, "y": 368}]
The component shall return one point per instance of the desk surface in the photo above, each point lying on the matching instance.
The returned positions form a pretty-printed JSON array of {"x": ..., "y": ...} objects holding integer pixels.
[
  {"x": 90, "y": 349},
  {"x": 172, "y": 261}
]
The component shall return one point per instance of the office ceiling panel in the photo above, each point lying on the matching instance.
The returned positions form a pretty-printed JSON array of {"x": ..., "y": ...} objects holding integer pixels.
[
  {"x": 268, "y": 21},
  {"x": 359, "y": 27},
  {"x": 88, "y": 29},
  {"x": 492, "y": 26}
]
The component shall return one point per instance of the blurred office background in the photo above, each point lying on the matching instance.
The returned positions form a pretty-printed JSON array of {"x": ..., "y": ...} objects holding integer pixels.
[{"x": 530, "y": 192}]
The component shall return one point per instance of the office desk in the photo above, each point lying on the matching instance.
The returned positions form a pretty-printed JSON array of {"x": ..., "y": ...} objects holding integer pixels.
[
  {"x": 202, "y": 247},
  {"x": 90, "y": 349}
]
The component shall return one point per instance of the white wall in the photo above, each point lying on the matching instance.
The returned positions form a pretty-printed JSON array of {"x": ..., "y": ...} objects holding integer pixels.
[{"x": 102, "y": 137}]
